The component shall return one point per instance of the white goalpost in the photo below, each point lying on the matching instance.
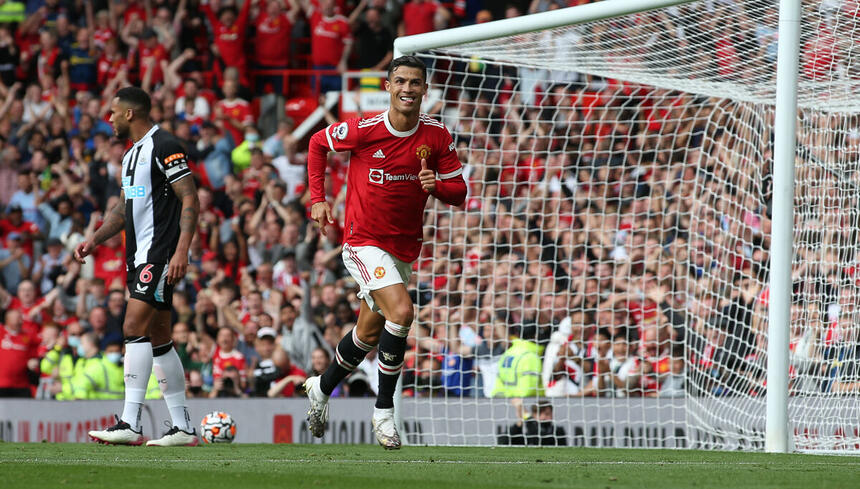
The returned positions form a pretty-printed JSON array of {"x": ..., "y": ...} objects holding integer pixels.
[{"x": 633, "y": 266}]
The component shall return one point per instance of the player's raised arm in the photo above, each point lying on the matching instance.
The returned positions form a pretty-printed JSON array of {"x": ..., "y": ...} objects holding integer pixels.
[
  {"x": 114, "y": 223},
  {"x": 342, "y": 136}
]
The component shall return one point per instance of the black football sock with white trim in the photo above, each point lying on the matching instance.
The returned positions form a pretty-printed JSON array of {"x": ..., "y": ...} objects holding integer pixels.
[
  {"x": 392, "y": 350},
  {"x": 348, "y": 354}
]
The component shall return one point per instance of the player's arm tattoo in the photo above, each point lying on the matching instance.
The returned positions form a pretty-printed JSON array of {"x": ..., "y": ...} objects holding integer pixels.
[
  {"x": 114, "y": 221},
  {"x": 187, "y": 193}
]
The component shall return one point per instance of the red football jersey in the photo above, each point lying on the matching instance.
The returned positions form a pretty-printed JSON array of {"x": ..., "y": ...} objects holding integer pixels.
[
  {"x": 108, "y": 68},
  {"x": 221, "y": 360},
  {"x": 329, "y": 37},
  {"x": 273, "y": 40},
  {"x": 384, "y": 199},
  {"x": 157, "y": 55},
  {"x": 230, "y": 40},
  {"x": 30, "y": 325},
  {"x": 15, "y": 350},
  {"x": 241, "y": 111},
  {"x": 418, "y": 17}
]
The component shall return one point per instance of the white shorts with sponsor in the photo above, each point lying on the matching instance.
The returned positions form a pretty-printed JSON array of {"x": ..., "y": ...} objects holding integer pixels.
[{"x": 374, "y": 268}]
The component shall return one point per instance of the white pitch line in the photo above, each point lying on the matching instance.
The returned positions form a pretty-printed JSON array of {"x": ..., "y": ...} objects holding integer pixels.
[{"x": 381, "y": 461}]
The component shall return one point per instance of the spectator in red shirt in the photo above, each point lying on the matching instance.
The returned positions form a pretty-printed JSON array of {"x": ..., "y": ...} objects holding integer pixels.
[
  {"x": 19, "y": 365},
  {"x": 111, "y": 62},
  {"x": 272, "y": 45},
  {"x": 103, "y": 31},
  {"x": 230, "y": 31},
  {"x": 150, "y": 58},
  {"x": 233, "y": 114},
  {"x": 331, "y": 43},
  {"x": 226, "y": 354},
  {"x": 109, "y": 262},
  {"x": 49, "y": 58},
  {"x": 31, "y": 307},
  {"x": 15, "y": 223},
  {"x": 420, "y": 16},
  {"x": 291, "y": 375}
]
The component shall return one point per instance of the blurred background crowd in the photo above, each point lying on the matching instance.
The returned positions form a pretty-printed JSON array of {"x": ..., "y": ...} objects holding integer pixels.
[{"x": 582, "y": 263}]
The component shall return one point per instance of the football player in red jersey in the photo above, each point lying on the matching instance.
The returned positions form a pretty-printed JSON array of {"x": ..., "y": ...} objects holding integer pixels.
[{"x": 399, "y": 158}]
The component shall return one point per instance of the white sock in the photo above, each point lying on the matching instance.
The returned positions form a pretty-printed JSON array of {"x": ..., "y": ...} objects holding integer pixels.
[
  {"x": 138, "y": 367},
  {"x": 171, "y": 380}
]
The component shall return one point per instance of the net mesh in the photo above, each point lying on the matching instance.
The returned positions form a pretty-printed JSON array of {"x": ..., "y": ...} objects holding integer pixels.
[{"x": 606, "y": 283}]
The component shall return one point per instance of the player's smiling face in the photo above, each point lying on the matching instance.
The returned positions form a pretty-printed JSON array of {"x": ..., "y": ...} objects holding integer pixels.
[{"x": 407, "y": 87}]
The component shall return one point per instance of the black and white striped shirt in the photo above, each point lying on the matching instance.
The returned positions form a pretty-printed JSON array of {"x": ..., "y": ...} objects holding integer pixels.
[{"x": 152, "y": 208}]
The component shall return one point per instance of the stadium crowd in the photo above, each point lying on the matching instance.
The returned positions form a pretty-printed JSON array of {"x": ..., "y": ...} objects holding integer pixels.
[{"x": 567, "y": 273}]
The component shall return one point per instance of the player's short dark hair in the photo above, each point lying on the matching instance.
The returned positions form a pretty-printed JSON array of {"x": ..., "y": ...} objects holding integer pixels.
[
  {"x": 136, "y": 98},
  {"x": 410, "y": 61}
]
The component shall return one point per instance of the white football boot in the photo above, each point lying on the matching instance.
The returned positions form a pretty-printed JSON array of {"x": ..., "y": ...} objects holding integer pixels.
[
  {"x": 118, "y": 434},
  {"x": 318, "y": 411},
  {"x": 385, "y": 429},
  {"x": 176, "y": 437}
]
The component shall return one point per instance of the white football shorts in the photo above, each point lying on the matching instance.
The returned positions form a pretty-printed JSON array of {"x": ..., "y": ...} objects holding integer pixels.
[{"x": 374, "y": 268}]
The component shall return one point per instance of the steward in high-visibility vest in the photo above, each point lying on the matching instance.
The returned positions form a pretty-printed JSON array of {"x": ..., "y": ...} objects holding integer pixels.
[
  {"x": 519, "y": 371},
  {"x": 65, "y": 360},
  {"x": 102, "y": 376}
]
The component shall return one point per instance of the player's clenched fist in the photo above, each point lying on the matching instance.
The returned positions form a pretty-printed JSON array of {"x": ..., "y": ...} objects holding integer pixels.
[
  {"x": 427, "y": 177},
  {"x": 321, "y": 213}
]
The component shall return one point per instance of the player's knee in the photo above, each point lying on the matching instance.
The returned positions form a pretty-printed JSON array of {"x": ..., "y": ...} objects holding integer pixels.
[
  {"x": 402, "y": 314},
  {"x": 369, "y": 337},
  {"x": 133, "y": 328}
]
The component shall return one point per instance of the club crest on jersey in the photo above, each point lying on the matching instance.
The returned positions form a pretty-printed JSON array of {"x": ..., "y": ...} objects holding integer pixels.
[
  {"x": 340, "y": 131},
  {"x": 379, "y": 272},
  {"x": 423, "y": 152}
]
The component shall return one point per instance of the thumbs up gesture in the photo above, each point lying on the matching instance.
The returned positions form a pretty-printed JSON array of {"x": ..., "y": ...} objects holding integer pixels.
[{"x": 427, "y": 177}]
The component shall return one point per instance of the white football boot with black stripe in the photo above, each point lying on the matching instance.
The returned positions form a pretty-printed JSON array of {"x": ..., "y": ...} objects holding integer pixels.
[
  {"x": 118, "y": 434},
  {"x": 385, "y": 429},
  {"x": 318, "y": 411},
  {"x": 176, "y": 437}
]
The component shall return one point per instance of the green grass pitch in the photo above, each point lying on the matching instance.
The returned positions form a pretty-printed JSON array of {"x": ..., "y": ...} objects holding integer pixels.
[{"x": 359, "y": 466}]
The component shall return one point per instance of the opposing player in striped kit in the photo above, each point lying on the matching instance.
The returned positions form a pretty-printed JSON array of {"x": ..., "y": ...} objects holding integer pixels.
[
  {"x": 398, "y": 159},
  {"x": 158, "y": 210}
]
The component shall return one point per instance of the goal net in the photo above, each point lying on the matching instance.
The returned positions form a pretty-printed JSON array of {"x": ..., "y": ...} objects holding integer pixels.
[{"x": 607, "y": 282}]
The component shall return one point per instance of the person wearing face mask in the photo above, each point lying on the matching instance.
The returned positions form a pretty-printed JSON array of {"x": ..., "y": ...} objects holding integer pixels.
[
  {"x": 242, "y": 154},
  {"x": 102, "y": 375},
  {"x": 61, "y": 363}
]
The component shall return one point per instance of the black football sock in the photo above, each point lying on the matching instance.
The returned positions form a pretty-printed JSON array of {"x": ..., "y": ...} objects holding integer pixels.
[
  {"x": 392, "y": 349},
  {"x": 348, "y": 354}
]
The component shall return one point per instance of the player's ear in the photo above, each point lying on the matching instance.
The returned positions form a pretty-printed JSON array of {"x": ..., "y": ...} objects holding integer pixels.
[{"x": 387, "y": 86}]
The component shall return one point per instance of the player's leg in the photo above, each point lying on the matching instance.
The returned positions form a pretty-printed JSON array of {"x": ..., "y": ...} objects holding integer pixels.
[
  {"x": 351, "y": 350},
  {"x": 138, "y": 367},
  {"x": 397, "y": 307},
  {"x": 353, "y": 347},
  {"x": 171, "y": 378}
]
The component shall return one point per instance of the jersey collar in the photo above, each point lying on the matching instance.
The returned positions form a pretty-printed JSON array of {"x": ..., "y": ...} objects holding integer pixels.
[
  {"x": 147, "y": 135},
  {"x": 395, "y": 132}
]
